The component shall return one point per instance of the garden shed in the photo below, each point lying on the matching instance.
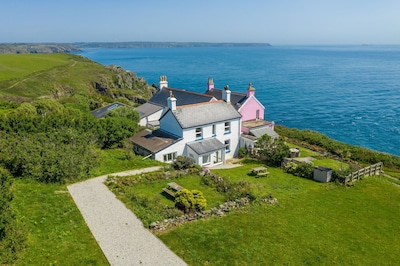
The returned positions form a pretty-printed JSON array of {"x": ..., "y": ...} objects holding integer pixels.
[{"x": 322, "y": 174}]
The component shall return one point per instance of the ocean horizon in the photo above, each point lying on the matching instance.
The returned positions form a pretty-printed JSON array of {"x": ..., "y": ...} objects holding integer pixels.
[{"x": 349, "y": 93}]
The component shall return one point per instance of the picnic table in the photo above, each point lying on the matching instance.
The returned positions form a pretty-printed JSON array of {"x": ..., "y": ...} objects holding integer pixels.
[
  {"x": 260, "y": 171},
  {"x": 172, "y": 189}
]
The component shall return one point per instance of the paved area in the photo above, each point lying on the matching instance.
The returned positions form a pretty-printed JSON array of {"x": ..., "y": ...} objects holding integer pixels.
[{"x": 119, "y": 233}]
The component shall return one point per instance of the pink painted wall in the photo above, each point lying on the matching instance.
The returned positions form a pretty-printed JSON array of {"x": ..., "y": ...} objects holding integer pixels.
[{"x": 249, "y": 110}]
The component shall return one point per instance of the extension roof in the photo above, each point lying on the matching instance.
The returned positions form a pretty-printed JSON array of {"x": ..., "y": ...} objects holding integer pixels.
[
  {"x": 206, "y": 146},
  {"x": 102, "y": 112},
  {"x": 154, "y": 141},
  {"x": 147, "y": 109}
]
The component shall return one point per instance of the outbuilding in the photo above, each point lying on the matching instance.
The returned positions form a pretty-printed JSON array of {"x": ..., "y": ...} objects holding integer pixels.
[{"x": 322, "y": 174}]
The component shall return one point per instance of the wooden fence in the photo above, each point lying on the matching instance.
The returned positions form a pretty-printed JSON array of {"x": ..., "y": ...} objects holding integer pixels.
[{"x": 375, "y": 169}]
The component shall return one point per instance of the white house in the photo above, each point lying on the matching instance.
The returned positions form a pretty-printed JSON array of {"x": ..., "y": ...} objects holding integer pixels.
[{"x": 206, "y": 132}]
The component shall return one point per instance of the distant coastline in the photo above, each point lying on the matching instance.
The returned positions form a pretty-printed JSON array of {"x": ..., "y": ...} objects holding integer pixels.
[{"x": 48, "y": 48}]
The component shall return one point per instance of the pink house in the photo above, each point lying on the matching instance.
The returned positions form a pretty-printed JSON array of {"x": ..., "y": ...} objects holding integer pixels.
[{"x": 252, "y": 111}]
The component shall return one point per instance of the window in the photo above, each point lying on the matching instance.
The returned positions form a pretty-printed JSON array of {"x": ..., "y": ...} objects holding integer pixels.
[
  {"x": 214, "y": 130},
  {"x": 206, "y": 159},
  {"x": 227, "y": 127},
  {"x": 218, "y": 157},
  {"x": 199, "y": 133},
  {"x": 169, "y": 157},
  {"x": 227, "y": 146},
  {"x": 257, "y": 114}
]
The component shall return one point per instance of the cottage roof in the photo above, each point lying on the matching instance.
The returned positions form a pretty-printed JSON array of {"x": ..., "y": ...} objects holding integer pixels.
[
  {"x": 237, "y": 98},
  {"x": 205, "y": 113},
  {"x": 206, "y": 146},
  {"x": 147, "y": 109},
  {"x": 102, "y": 112},
  {"x": 182, "y": 97},
  {"x": 154, "y": 141}
]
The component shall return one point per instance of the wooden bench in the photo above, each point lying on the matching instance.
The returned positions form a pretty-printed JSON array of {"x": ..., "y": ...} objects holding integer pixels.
[
  {"x": 262, "y": 174},
  {"x": 172, "y": 189},
  {"x": 169, "y": 192}
]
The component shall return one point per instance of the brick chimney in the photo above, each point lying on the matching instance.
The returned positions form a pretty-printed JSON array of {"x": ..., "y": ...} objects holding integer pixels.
[
  {"x": 226, "y": 94},
  {"x": 163, "y": 82},
  {"x": 250, "y": 90},
  {"x": 210, "y": 84},
  {"x": 171, "y": 101}
]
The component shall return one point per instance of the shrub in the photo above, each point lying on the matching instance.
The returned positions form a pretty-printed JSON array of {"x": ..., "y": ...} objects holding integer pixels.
[
  {"x": 304, "y": 170},
  {"x": 187, "y": 200},
  {"x": 184, "y": 200},
  {"x": 181, "y": 163},
  {"x": 200, "y": 202},
  {"x": 242, "y": 152},
  {"x": 12, "y": 239}
]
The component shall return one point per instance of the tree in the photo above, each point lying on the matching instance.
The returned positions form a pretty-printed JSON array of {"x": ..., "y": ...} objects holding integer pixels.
[{"x": 272, "y": 150}]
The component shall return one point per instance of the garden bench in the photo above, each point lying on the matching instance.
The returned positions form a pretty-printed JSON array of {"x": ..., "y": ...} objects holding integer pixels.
[
  {"x": 172, "y": 189},
  {"x": 169, "y": 192},
  {"x": 262, "y": 174}
]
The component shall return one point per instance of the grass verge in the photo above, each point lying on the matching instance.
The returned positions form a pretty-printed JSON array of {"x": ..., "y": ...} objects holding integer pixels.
[{"x": 57, "y": 233}]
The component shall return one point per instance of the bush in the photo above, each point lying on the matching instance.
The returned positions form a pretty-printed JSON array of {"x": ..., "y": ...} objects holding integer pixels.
[
  {"x": 12, "y": 239},
  {"x": 187, "y": 200},
  {"x": 182, "y": 163},
  {"x": 304, "y": 170},
  {"x": 243, "y": 152}
]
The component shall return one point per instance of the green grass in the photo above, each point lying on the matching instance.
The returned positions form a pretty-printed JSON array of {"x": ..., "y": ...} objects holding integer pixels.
[
  {"x": 114, "y": 160},
  {"x": 314, "y": 223},
  {"x": 57, "y": 233},
  {"x": 319, "y": 159},
  {"x": 20, "y": 65},
  {"x": 50, "y": 75}
]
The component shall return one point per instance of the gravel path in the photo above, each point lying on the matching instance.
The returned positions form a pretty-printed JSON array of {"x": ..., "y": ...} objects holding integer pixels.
[{"x": 118, "y": 231}]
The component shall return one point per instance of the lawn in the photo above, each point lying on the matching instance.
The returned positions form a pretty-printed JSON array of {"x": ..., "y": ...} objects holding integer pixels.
[
  {"x": 114, "y": 160},
  {"x": 314, "y": 223},
  {"x": 57, "y": 233}
]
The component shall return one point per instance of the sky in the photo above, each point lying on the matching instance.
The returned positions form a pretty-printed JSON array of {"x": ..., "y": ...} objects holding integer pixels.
[{"x": 278, "y": 22}]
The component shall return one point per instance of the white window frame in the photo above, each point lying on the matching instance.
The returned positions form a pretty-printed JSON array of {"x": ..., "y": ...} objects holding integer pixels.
[
  {"x": 214, "y": 130},
  {"x": 169, "y": 157},
  {"x": 218, "y": 157},
  {"x": 208, "y": 159},
  {"x": 227, "y": 127},
  {"x": 199, "y": 133},
  {"x": 227, "y": 146}
]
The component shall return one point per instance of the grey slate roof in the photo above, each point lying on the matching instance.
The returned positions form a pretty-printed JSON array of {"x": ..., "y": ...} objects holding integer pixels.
[
  {"x": 237, "y": 98},
  {"x": 147, "y": 109},
  {"x": 101, "y": 112},
  {"x": 182, "y": 97},
  {"x": 154, "y": 141},
  {"x": 204, "y": 114},
  {"x": 206, "y": 146},
  {"x": 258, "y": 132}
]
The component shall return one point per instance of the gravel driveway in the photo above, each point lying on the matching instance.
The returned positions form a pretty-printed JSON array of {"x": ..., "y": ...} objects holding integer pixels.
[{"x": 119, "y": 233}]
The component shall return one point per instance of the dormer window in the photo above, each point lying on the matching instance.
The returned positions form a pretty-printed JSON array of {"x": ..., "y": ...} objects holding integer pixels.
[
  {"x": 199, "y": 133},
  {"x": 214, "y": 130},
  {"x": 227, "y": 127}
]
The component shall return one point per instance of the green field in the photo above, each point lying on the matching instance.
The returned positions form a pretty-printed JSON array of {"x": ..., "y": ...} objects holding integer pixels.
[{"x": 16, "y": 66}]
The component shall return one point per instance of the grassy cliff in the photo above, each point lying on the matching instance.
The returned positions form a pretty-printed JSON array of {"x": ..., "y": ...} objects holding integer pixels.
[{"x": 26, "y": 77}]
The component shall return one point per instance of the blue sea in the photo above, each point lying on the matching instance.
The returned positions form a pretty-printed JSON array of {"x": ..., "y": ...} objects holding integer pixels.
[{"x": 349, "y": 93}]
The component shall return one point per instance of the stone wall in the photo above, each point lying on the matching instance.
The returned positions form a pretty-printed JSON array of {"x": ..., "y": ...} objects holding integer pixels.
[{"x": 216, "y": 211}]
